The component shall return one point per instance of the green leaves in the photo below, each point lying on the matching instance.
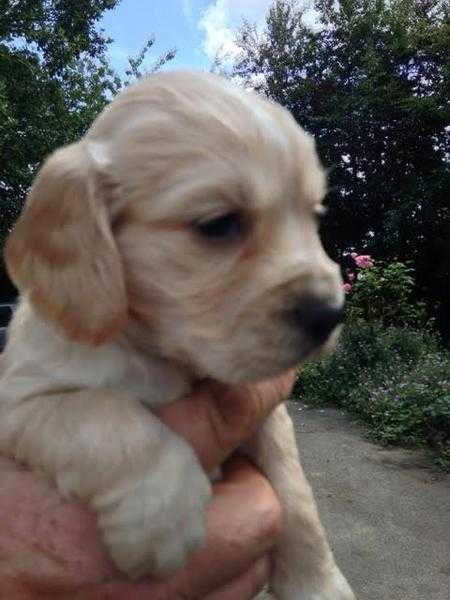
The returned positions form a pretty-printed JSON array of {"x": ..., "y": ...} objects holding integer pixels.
[
  {"x": 385, "y": 293},
  {"x": 55, "y": 78}
]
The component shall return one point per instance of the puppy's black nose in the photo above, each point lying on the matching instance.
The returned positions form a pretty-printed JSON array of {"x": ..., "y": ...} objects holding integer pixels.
[{"x": 317, "y": 317}]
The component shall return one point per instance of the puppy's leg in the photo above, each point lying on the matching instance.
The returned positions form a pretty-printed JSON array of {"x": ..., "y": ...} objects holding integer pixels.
[
  {"x": 105, "y": 448},
  {"x": 304, "y": 565}
]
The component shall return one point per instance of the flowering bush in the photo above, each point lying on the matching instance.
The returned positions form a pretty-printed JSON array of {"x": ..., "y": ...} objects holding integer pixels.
[
  {"x": 364, "y": 261},
  {"x": 396, "y": 380},
  {"x": 378, "y": 291}
]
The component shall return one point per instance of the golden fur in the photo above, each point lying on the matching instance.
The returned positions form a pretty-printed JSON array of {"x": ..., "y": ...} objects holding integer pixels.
[{"x": 125, "y": 304}]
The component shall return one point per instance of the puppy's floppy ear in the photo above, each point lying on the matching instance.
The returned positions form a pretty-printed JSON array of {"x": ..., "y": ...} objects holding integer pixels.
[{"x": 62, "y": 254}]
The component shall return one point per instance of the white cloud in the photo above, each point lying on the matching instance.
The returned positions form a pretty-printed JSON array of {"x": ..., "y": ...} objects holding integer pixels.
[
  {"x": 218, "y": 34},
  {"x": 222, "y": 18}
]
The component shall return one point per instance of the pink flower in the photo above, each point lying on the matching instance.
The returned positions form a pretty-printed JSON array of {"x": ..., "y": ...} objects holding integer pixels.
[
  {"x": 363, "y": 261},
  {"x": 353, "y": 255},
  {"x": 347, "y": 287},
  {"x": 350, "y": 276}
]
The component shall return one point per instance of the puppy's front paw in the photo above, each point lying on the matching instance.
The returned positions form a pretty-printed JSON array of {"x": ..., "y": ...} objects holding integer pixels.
[
  {"x": 150, "y": 523},
  {"x": 334, "y": 587}
]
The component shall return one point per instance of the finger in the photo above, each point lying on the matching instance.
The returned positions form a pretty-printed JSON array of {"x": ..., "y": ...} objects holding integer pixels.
[
  {"x": 243, "y": 522},
  {"x": 243, "y": 587},
  {"x": 247, "y": 585},
  {"x": 215, "y": 419}
]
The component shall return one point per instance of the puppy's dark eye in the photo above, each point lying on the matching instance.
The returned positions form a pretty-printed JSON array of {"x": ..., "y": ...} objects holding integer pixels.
[{"x": 228, "y": 227}]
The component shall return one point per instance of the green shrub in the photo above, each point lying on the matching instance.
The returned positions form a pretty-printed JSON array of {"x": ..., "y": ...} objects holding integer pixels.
[
  {"x": 397, "y": 380},
  {"x": 383, "y": 292}
]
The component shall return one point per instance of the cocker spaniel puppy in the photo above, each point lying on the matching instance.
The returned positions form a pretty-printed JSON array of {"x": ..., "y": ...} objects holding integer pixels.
[{"x": 177, "y": 240}]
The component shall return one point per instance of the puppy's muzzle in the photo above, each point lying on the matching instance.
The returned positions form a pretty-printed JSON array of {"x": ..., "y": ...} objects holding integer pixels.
[{"x": 317, "y": 318}]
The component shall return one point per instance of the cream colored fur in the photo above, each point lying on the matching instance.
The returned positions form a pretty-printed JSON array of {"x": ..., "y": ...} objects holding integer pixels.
[{"x": 123, "y": 305}]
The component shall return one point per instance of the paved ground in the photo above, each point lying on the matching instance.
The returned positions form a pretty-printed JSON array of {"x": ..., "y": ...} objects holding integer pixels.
[{"x": 387, "y": 512}]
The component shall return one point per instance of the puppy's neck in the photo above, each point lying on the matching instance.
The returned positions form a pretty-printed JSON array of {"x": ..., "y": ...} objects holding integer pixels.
[
  {"x": 144, "y": 336},
  {"x": 169, "y": 378},
  {"x": 39, "y": 358}
]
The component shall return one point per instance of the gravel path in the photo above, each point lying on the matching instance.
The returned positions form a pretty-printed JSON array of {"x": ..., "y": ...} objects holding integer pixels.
[{"x": 387, "y": 512}]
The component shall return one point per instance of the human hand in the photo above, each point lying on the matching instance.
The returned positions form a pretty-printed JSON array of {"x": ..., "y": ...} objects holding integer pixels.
[{"x": 50, "y": 546}]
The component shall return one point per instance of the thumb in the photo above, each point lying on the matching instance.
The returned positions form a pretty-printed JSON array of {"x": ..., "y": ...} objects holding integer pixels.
[{"x": 215, "y": 419}]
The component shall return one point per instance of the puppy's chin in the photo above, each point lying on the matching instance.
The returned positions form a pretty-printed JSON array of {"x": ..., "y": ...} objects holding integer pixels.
[{"x": 273, "y": 362}]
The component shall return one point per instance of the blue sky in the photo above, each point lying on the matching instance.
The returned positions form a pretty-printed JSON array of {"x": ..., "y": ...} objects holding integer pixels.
[{"x": 197, "y": 28}]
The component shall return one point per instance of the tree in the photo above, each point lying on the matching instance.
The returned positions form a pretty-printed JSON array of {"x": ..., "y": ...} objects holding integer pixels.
[
  {"x": 371, "y": 82},
  {"x": 54, "y": 79}
]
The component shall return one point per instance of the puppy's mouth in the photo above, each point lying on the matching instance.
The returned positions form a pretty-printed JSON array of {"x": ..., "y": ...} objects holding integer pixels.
[
  {"x": 308, "y": 332},
  {"x": 253, "y": 352}
]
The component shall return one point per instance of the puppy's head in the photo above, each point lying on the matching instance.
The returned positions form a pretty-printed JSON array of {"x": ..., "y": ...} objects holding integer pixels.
[{"x": 188, "y": 213}]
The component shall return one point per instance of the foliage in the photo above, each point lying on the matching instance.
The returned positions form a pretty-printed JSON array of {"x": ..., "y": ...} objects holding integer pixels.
[
  {"x": 54, "y": 79},
  {"x": 371, "y": 82},
  {"x": 383, "y": 292},
  {"x": 396, "y": 380}
]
